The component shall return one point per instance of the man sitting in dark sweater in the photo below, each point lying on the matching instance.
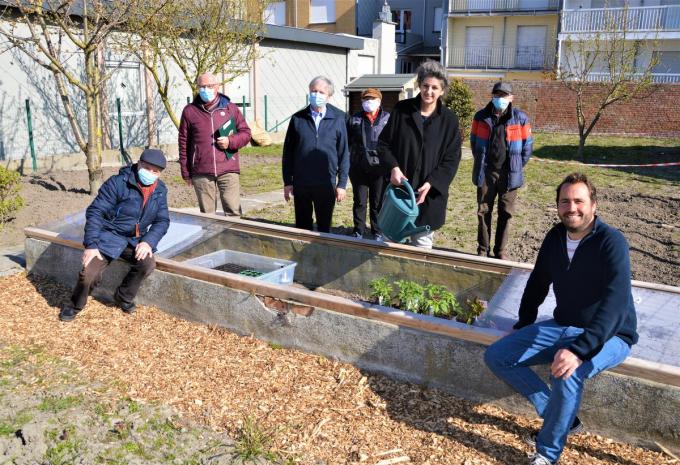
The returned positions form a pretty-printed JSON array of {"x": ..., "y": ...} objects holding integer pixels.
[{"x": 593, "y": 325}]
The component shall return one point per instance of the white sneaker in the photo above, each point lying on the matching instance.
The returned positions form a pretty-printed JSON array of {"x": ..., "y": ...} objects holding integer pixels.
[{"x": 538, "y": 459}]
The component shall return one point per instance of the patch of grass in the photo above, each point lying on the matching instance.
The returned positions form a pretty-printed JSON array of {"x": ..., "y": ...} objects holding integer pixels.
[
  {"x": 254, "y": 441},
  {"x": 603, "y": 148},
  {"x": 134, "y": 448},
  {"x": 272, "y": 150},
  {"x": 64, "y": 453},
  {"x": 9, "y": 427},
  {"x": 263, "y": 177},
  {"x": 57, "y": 404},
  {"x": 275, "y": 346}
]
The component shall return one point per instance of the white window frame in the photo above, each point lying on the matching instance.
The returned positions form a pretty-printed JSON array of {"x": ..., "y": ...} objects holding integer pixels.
[
  {"x": 321, "y": 11},
  {"x": 438, "y": 19},
  {"x": 275, "y": 13}
]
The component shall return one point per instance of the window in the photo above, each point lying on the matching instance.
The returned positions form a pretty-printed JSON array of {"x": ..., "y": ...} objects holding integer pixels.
[
  {"x": 403, "y": 20},
  {"x": 437, "y": 19},
  {"x": 321, "y": 11},
  {"x": 126, "y": 83},
  {"x": 531, "y": 42},
  {"x": 668, "y": 63},
  {"x": 275, "y": 13}
]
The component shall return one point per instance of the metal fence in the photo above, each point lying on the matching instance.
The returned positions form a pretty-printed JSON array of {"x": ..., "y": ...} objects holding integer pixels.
[
  {"x": 658, "y": 78},
  {"x": 502, "y": 5},
  {"x": 632, "y": 19},
  {"x": 527, "y": 58}
]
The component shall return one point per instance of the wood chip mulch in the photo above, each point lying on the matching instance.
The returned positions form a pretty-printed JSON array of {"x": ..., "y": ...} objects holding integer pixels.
[{"x": 321, "y": 411}]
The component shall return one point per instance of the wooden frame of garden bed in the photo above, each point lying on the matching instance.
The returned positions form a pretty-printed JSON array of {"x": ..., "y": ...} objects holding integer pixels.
[{"x": 652, "y": 371}]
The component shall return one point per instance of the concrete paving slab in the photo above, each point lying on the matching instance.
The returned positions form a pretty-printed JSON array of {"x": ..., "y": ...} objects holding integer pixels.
[{"x": 12, "y": 260}]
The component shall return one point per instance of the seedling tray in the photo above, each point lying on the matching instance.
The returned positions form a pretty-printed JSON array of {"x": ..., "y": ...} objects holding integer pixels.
[{"x": 268, "y": 269}]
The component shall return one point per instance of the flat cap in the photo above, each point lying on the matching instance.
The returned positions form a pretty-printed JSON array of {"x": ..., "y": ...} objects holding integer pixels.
[
  {"x": 371, "y": 92},
  {"x": 502, "y": 87},
  {"x": 154, "y": 157}
]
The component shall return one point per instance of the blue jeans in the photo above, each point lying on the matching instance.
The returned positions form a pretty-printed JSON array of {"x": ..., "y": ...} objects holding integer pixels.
[{"x": 510, "y": 358}]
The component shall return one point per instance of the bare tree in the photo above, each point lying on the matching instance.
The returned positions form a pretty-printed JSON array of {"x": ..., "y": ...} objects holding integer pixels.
[
  {"x": 620, "y": 65},
  {"x": 67, "y": 37},
  {"x": 193, "y": 37}
]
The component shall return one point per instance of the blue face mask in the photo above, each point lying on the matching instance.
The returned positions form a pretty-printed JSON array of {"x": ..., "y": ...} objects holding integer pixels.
[
  {"x": 146, "y": 177},
  {"x": 317, "y": 100},
  {"x": 207, "y": 94},
  {"x": 500, "y": 103}
]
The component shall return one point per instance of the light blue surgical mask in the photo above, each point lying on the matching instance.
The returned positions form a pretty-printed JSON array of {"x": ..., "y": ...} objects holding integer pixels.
[
  {"x": 317, "y": 100},
  {"x": 146, "y": 177},
  {"x": 207, "y": 94},
  {"x": 500, "y": 103}
]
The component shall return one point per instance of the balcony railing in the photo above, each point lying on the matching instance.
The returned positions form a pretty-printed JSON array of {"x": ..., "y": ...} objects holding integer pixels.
[
  {"x": 659, "y": 78},
  {"x": 631, "y": 19},
  {"x": 492, "y": 6},
  {"x": 527, "y": 58}
]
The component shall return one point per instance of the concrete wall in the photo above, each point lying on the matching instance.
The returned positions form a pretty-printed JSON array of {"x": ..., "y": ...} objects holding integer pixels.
[
  {"x": 617, "y": 406},
  {"x": 551, "y": 107}
]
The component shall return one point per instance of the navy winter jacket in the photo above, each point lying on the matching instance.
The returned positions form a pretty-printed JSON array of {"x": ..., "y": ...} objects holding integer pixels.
[
  {"x": 592, "y": 292},
  {"x": 112, "y": 216},
  {"x": 314, "y": 158},
  {"x": 358, "y": 124},
  {"x": 518, "y": 139}
]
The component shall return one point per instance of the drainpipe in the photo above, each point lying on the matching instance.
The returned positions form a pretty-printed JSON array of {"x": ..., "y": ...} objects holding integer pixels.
[
  {"x": 444, "y": 37},
  {"x": 505, "y": 27},
  {"x": 558, "y": 58}
]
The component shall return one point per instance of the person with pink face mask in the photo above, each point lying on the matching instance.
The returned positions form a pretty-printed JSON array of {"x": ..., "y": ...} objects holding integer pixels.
[{"x": 363, "y": 131}]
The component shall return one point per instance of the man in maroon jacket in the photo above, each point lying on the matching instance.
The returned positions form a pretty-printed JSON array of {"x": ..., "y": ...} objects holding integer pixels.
[{"x": 211, "y": 132}]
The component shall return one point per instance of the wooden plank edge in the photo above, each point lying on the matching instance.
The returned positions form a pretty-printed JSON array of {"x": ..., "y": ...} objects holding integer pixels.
[{"x": 643, "y": 369}]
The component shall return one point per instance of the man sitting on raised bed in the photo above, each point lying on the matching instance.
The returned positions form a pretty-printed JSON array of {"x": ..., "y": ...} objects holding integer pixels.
[
  {"x": 127, "y": 219},
  {"x": 593, "y": 325}
]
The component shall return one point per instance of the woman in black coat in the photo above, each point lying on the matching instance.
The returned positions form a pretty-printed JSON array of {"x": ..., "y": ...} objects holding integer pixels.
[{"x": 421, "y": 143}]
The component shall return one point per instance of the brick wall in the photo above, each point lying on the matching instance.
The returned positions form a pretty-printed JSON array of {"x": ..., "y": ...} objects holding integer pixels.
[{"x": 552, "y": 107}]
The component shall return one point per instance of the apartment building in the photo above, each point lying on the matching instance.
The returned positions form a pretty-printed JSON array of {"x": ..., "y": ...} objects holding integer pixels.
[
  {"x": 418, "y": 28},
  {"x": 653, "y": 24},
  {"x": 508, "y": 39},
  {"x": 337, "y": 16}
]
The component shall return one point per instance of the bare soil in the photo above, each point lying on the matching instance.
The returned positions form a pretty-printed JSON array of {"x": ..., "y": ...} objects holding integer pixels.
[
  {"x": 649, "y": 221},
  {"x": 319, "y": 411}
]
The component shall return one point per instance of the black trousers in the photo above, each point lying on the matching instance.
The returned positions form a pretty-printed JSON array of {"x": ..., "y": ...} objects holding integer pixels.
[
  {"x": 367, "y": 189},
  {"x": 495, "y": 185},
  {"x": 90, "y": 277},
  {"x": 315, "y": 200}
]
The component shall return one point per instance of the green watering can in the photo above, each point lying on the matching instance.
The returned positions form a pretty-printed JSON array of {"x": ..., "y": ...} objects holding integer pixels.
[{"x": 399, "y": 212}]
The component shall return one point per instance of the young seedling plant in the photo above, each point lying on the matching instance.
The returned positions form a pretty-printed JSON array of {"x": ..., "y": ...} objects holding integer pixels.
[
  {"x": 440, "y": 302},
  {"x": 411, "y": 295},
  {"x": 471, "y": 311},
  {"x": 381, "y": 290}
]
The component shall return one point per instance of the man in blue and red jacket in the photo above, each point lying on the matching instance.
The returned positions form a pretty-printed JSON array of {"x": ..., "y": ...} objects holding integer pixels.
[
  {"x": 594, "y": 323},
  {"x": 501, "y": 145},
  {"x": 127, "y": 220},
  {"x": 209, "y": 161}
]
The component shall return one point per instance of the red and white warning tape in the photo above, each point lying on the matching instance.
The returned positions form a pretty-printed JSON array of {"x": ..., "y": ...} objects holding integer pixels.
[{"x": 647, "y": 165}]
